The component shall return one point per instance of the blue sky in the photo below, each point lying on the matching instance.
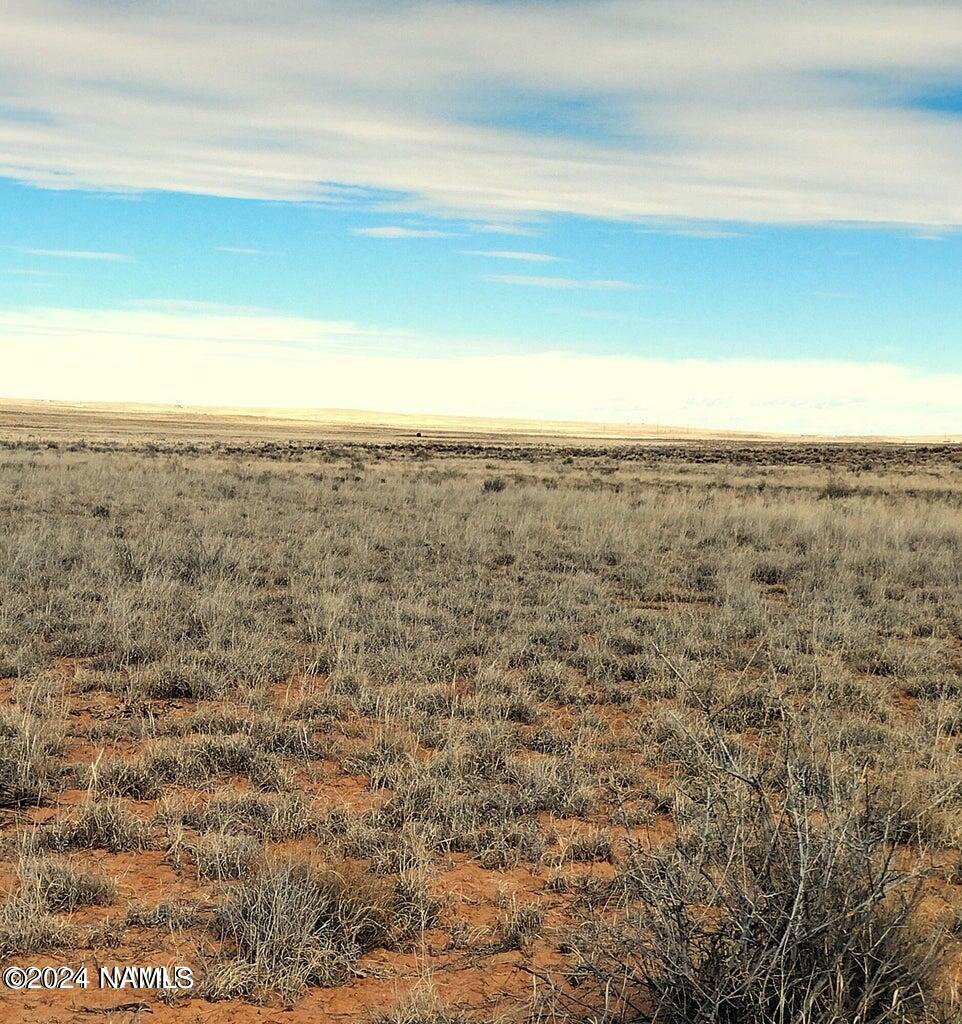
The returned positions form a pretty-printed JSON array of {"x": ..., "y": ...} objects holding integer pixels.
[{"x": 687, "y": 212}]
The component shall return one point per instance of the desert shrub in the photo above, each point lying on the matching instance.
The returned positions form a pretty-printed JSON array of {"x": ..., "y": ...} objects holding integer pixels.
[
  {"x": 836, "y": 487},
  {"x": 775, "y": 914},
  {"x": 594, "y": 845},
  {"x": 101, "y": 823},
  {"x": 197, "y": 760},
  {"x": 384, "y": 762},
  {"x": 944, "y": 716},
  {"x": 64, "y": 888},
  {"x": 170, "y": 916},
  {"x": 519, "y": 925},
  {"x": 172, "y": 680},
  {"x": 294, "y": 923},
  {"x": 913, "y": 809},
  {"x": 421, "y": 1007},
  {"x": 28, "y": 768},
  {"x": 222, "y": 856},
  {"x": 558, "y": 785},
  {"x": 267, "y": 816},
  {"x": 415, "y": 908},
  {"x": 26, "y": 924}
]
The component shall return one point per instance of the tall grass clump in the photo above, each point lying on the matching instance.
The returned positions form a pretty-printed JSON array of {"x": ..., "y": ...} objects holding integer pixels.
[
  {"x": 293, "y": 923},
  {"x": 28, "y": 766}
]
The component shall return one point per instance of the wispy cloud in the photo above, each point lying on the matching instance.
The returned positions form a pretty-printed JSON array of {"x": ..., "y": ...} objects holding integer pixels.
[
  {"x": 532, "y": 281},
  {"x": 503, "y": 229},
  {"x": 199, "y": 306},
  {"x": 395, "y": 231},
  {"x": 273, "y": 360},
  {"x": 77, "y": 254},
  {"x": 31, "y": 272},
  {"x": 244, "y": 251},
  {"x": 693, "y": 232},
  {"x": 687, "y": 111},
  {"x": 172, "y": 321},
  {"x": 609, "y": 315},
  {"x": 512, "y": 254}
]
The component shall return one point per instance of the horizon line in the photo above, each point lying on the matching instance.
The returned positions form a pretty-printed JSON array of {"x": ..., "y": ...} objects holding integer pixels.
[{"x": 627, "y": 430}]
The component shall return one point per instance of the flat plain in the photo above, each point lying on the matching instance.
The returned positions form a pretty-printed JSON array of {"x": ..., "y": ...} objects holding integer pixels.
[{"x": 421, "y": 729}]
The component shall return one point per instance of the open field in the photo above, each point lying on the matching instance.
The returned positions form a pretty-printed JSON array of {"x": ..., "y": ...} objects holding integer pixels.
[
  {"x": 410, "y": 730},
  {"x": 25, "y": 420}
]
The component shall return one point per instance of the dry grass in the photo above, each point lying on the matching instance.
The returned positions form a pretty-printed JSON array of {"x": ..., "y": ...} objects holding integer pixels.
[{"x": 677, "y": 734}]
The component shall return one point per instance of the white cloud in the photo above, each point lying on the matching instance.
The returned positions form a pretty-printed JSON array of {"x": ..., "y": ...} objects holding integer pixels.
[
  {"x": 502, "y": 229},
  {"x": 198, "y": 306},
  {"x": 77, "y": 254},
  {"x": 181, "y": 322},
  {"x": 532, "y": 281},
  {"x": 238, "y": 250},
  {"x": 693, "y": 232},
  {"x": 729, "y": 110},
  {"x": 393, "y": 231},
  {"x": 511, "y": 254},
  {"x": 265, "y": 360}
]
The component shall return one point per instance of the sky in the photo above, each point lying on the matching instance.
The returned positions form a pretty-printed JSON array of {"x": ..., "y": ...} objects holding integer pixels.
[{"x": 719, "y": 214}]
